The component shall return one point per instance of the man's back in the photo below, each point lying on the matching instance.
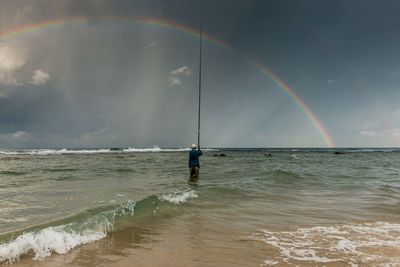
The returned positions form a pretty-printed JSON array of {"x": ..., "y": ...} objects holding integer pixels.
[{"x": 194, "y": 158}]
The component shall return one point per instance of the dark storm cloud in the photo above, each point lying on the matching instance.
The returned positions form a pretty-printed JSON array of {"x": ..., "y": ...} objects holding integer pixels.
[{"x": 115, "y": 84}]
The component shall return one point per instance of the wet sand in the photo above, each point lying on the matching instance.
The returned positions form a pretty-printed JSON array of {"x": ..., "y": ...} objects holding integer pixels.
[
  {"x": 193, "y": 240},
  {"x": 180, "y": 241}
]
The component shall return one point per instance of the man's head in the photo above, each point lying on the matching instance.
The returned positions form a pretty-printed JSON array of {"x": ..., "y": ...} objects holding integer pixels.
[{"x": 194, "y": 146}]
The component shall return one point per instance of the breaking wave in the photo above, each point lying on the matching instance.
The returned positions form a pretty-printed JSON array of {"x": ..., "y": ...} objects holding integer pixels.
[
  {"x": 46, "y": 241},
  {"x": 87, "y": 227},
  {"x": 65, "y": 151},
  {"x": 179, "y": 197},
  {"x": 369, "y": 244}
]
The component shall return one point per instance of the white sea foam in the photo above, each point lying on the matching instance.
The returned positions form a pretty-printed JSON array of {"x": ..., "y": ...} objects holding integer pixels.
[
  {"x": 371, "y": 244},
  {"x": 155, "y": 149},
  {"x": 62, "y": 238},
  {"x": 44, "y": 242},
  {"x": 269, "y": 263},
  {"x": 179, "y": 197},
  {"x": 158, "y": 149},
  {"x": 44, "y": 152}
]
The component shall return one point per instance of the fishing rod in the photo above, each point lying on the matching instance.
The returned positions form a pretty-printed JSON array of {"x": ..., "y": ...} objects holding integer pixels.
[{"x": 198, "y": 119}]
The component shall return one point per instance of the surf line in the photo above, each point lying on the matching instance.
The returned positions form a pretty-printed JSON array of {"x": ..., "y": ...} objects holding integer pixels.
[{"x": 170, "y": 24}]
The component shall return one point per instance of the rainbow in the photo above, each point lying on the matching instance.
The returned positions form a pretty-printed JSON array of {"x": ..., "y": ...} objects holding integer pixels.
[
  {"x": 169, "y": 24},
  {"x": 307, "y": 110}
]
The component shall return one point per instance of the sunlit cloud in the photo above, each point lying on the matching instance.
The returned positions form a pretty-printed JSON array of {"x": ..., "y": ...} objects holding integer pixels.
[
  {"x": 176, "y": 75},
  {"x": 40, "y": 77},
  {"x": 11, "y": 61},
  {"x": 18, "y": 136},
  {"x": 174, "y": 80},
  {"x": 182, "y": 71}
]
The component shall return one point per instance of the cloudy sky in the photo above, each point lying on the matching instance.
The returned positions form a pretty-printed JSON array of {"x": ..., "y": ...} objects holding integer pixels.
[{"x": 114, "y": 79}]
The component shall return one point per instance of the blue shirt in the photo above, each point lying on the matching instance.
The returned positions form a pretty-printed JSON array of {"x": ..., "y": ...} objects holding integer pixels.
[{"x": 194, "y": 158}]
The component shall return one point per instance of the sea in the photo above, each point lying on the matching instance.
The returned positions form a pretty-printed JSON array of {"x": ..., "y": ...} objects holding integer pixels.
[{"x": 250, "y": 207}]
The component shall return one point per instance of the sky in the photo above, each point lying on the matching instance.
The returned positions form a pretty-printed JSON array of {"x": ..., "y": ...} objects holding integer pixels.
[{"x": 275, "y": 73}]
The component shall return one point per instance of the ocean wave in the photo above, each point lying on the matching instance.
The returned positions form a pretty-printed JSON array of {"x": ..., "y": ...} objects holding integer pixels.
[
  {"x": 371, "y": 244},
  {"x": 45, "y": 152},
  {"x": 46, "y": 241},
  {"x": 62, "y": 238},
  {"x": 155, "y": 149},
  {"x": 64, "y": 151},
  {"x": 158, "y": 149},
  {"x": 86, "y": 227},
  {"x": 372, "y": 150},
  {"x": 13, "y": 173},
  {"x": 179, "y": 197}
]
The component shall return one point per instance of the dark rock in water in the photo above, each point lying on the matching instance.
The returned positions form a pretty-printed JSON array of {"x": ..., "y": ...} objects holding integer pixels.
[
  {"x": 339, "y": 153},
  {"x": 215, "y": 155},
  {"x": 222, "y": 155},
  {"x": 268, "y": 155}
]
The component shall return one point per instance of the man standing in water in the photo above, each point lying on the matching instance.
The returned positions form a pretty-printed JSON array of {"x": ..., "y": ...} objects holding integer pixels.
[{"x": 194, "y": 163}]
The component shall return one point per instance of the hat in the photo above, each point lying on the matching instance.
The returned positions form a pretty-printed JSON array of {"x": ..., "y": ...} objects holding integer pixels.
[{"x": 194, "y": 145}]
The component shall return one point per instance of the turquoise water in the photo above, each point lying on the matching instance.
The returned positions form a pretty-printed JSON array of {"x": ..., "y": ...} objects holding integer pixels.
[{"x": 304, "y": 205}]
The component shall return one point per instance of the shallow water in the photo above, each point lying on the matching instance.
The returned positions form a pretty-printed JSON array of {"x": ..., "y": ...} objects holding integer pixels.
[{"x": 135, "y": 207}]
